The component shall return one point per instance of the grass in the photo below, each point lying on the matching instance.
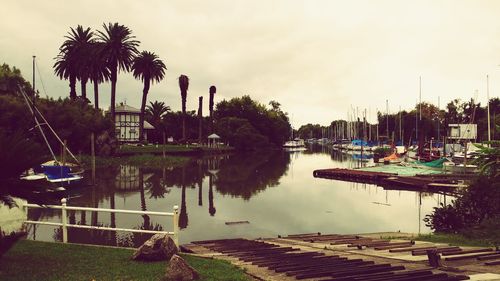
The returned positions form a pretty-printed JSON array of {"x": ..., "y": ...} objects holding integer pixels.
[
  {"x": 34, "y": 260},
  {"x": 169, "y": 149},
  {"x": 447, "y": 238},
  {"x": 453, "y": 239},
  {"x": 149, "y": 160}
]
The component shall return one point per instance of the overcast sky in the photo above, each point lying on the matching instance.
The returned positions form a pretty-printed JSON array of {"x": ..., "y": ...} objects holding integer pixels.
[{"x": 317, "y": 58}]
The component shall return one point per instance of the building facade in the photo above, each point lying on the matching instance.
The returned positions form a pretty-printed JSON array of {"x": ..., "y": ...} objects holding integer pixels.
[{"x": 127, "y": 124}]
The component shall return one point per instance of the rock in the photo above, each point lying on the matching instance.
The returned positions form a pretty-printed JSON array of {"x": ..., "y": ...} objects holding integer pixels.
[
  {"x": 158, "y": 247},
  {"x": 179, "y": 270}
]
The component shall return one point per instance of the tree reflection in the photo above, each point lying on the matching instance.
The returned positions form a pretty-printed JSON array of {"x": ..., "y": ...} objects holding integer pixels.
[
  {"x": 211, "y": 206},
  {"x": 183, "y": 215},
  {"x": 247, "y": 174}
]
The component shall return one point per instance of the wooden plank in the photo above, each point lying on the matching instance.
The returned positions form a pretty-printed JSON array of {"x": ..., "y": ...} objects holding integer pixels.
[{"x": 495, "y": 262}]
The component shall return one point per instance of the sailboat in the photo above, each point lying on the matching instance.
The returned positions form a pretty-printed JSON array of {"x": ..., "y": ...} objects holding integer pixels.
[{"x": 53, "y": 174}]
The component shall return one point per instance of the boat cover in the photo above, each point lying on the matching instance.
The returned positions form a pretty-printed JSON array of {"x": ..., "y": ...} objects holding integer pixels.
[
  {"x": 57, "y": 172},
  {"x": 433, "y": 164},
  {"x": 393, "y": 156}
]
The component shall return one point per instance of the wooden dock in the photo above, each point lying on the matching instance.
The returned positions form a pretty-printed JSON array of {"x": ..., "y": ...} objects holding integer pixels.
[{"x": 393, "y": 181}]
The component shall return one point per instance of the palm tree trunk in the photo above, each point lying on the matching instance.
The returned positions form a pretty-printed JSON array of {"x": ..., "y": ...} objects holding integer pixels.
[
  {"x": 211, "y": 108},
  {"x": 200, "y": 120},
  {"x": 143, "y": 109},
  {"x": 113, "y": 92},
  {"x": 96, "y": 94},
  {"x": 83, "y": 87},
  {"x": 72, "y": 87}
]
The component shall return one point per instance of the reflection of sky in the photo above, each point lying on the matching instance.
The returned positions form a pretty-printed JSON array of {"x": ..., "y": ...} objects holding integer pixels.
[{"x": 299, "y": 204}]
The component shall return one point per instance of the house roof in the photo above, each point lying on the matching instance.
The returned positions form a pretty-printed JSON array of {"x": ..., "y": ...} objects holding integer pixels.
[
  {"x": 213, "y": 136},
  {"x": 123, "y": 108}
]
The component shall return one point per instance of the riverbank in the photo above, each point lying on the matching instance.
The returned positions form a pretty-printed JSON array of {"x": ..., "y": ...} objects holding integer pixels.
[
  {"x": 32, "y": 260},
  {"x": 171, "y": 149},
  {"x": 149, "y": 160}
]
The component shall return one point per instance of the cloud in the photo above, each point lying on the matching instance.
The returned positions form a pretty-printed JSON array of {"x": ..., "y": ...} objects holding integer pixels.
[{"x": 317, "y": 58}]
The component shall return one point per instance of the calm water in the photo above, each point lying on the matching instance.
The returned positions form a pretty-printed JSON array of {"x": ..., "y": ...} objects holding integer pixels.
[{"x": 275, "y": 192}]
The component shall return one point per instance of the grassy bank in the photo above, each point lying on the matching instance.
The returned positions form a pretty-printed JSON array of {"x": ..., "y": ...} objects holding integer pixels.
[
  {"x": 33, "y": 260},
  {"x": 148, "y": 160},
  {"x": 170, "y": 149},
  {"x": 452, "y": 239}
]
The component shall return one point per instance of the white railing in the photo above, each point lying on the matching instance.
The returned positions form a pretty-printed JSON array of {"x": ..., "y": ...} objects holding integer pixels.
[{"x": 64, "y": 219}]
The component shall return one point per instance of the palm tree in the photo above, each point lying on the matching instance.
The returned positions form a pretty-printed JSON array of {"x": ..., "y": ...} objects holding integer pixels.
[
  {"x": 64, "y": 68},
  {"x": 73, "y": 59},
  {"x": 119, "y": 49},
  {"x": 149, "y": 68},
  {"x": 155, "y": 112},
  {"x": 200, "y": 119},
  {"x": 183, "y": 85},
  {"x": 98, "y": 69},
  {"x": 212, "y": 91}
]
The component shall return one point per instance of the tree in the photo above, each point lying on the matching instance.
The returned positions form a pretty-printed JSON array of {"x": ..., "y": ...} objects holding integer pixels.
[
  {"x": 98, "y": 69},
  {"x": 149, "y": 68},
  {"x": 11, "y": 79},
  {"x": 183, "y": 85},
  {"x": 119, "y": 49},
  {"x": 155, "y": 112},
  {"x": 200, "y": 121},
  {"x": 212, "y": 90},
  {"x": 73, "y": 59},
  {"x": 270, "y": 123}
]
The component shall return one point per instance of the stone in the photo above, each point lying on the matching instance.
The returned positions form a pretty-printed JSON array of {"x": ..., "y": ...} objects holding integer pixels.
[
  {"x": 159, "y": 247},
  {"x": 179, "y": 270}
]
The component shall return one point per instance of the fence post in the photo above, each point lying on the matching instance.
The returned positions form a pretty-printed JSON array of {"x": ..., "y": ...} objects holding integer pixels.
[
  {"x": 64, "y": 221},
  {"x": 176, "y": 225}
]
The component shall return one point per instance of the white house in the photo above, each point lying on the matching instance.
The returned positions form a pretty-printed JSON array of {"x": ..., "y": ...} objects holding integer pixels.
[
  {"x": 127, "y": 124},
  {"x": 462, "y": 131}
]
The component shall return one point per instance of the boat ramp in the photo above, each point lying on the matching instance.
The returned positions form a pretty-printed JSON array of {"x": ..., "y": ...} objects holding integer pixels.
[{"x": 341, "y": 257}]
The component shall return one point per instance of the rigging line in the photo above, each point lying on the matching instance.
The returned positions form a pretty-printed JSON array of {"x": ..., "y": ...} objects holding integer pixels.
[
  {"x": 41, "y": 80},
  {"x": 31, "y": 106},
  {"x": 52, "y": 130}
]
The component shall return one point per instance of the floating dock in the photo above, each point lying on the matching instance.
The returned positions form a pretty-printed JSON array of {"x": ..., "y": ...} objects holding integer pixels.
[{"x": 431, "y": 183}]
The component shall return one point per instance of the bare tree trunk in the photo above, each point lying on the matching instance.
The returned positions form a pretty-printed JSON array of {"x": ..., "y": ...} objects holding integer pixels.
[{"x": 200, "y": 120}]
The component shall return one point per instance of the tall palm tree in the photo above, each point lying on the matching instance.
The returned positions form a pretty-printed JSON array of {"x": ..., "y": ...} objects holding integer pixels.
[
  {"x": 183, "y": 85},
  {"x": 119, "y": 49},
  {"x": 212, "y": 91},
  {"x": 73, "y": 58},
  {"x": 99, "y": 72},
  {"x": 149, "y": 68},
  {"x": 64, "y": 68}
]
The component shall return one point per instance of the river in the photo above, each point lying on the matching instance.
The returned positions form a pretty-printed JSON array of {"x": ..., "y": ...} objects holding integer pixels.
[{"x": 275, "y": 192}]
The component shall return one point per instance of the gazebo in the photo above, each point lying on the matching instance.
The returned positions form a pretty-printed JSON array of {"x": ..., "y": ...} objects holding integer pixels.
[{"x": 213, "y": 140}]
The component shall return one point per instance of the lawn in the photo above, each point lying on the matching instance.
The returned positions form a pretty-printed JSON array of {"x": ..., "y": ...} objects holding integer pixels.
[
  {"x": 446, "y": 238},
  {"x": 453, "y": 239},
  {"x": 169, "y": 149},
  {"x": 148, "y": 160},
  {"x": 33, "y": 260}
]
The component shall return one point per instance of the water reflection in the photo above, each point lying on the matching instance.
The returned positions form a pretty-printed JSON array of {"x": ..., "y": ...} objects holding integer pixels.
[{"x": 275, "y": 192}]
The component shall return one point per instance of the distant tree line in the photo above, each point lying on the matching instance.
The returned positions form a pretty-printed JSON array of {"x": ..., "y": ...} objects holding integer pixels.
[
  {"x": 402, "y": 126},
  {"x": 241, "y": 122}
]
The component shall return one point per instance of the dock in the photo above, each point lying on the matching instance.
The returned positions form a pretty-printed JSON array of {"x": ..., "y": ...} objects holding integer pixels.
[{"x": 390, "y": 181}]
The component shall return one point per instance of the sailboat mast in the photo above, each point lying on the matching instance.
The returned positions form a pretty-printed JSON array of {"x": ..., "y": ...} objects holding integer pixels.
[
  {"x": 34, "y": 89},
  {"x": 488, "y": 98},
  {"x": 37, "y": 123}
]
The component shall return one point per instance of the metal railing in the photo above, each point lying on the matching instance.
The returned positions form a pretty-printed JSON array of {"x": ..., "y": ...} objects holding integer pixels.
[{"x": 64, "y": 219}]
